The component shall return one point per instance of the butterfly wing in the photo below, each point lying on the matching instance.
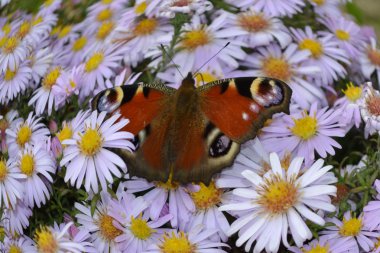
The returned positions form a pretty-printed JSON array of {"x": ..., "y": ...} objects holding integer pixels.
[{"x": 239, "y": 107}]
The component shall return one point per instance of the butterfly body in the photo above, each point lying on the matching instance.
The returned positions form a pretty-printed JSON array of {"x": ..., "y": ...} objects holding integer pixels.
[{"x": 192, "y": 132}]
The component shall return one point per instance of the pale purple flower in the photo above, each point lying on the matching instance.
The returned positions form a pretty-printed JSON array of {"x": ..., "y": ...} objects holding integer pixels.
[
  {"x": 372, "y": 210},
  {"x": 327, "y": 7},
  {"x": 352, "y": 228},
  {"x": 68, "y": 84},
  {"x": 370, "y": 60},
  {"x": 16, "y": 218},
  {"x": 169, "y": 8},
  {"x": 369, "y": 104},
  {"x": 302, "y": 133},
  {"x": 12, "y": 54},
  {"x": 21, "y": 244},
  {"x": 323, "y": 245},
  {"x": 279, "y": 8}
]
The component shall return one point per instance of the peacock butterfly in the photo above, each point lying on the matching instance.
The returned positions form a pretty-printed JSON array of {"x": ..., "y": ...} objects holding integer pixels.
[{"x": 192, "y": 132}]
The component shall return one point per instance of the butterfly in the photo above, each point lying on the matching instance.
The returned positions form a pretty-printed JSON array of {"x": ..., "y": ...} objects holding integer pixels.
[{"x": 191, "y": 133}]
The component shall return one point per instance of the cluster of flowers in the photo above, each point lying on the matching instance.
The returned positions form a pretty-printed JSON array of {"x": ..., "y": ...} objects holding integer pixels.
[{"x": 277, "y": 195}]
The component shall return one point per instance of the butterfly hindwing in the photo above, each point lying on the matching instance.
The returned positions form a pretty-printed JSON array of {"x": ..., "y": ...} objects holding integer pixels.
[{"x": 239, "y": 107}]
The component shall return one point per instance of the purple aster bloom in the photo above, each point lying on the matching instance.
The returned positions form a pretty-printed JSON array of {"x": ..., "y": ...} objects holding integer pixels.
[
  {"x": 372, "y": 210},
  {"x": 323, "y": 245}
]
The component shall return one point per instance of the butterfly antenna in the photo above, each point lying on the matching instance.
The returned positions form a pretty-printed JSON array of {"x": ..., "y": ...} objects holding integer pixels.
[
  {"x": 204, "y": 64},
  {"x": 175, "y": 65}
]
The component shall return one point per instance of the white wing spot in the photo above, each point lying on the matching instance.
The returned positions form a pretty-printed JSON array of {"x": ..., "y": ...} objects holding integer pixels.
[
  {"x": 254, "y": 108},
  {"x": 245, "y": 116}
]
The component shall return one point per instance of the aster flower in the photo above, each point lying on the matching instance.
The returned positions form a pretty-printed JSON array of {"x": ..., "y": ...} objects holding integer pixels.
[
  {"x": 13, "y": 83},
  {"x": 279, "y": 8},
  {"x": 12, "y": 54},
  {"x": 40, "y": 60},
  {"x": 288, "y": 66},
  {"x": 193, "y": 239},
  {"x": 352, "y": 228},
  {"x": 86, "y": 156},
  {"x": 157, "y": 194},
  {"x": 323, "y": 245},
  {"x": 37, "y": 165},
  {"x": 67, "y": 84},
  {"x": 327, "y": 7},
  {"x": 138, "y": 231},
  {"x": 371, "y": 211},
  {"x": 56, "y": 238},
  {"x": 369, "y": 104},
  {"x": 22, "y": 244},
  {"x": 33, "y": 31},
  {"x": 100, "y": 224},
  {"x": 16, "y": 218},
  {"x": 346, "y": 32},
  {"x": 77, "y": 50},
  {"x": 30, "y": 131},
  {"x": 324, "y": 53},
  {"x": 277, "y": 202},
  {"x": 49, "y": 6},
  {"x": 11, "y": 188},
  {"x": 258, "y": 29},
  {"x": 169, "y": 8},
  {"x": 43, "y": 96},
  {"x": 302, "y": 133},
  {"x": 348, "y": 105},
  {"x": 370, "y": 60}
]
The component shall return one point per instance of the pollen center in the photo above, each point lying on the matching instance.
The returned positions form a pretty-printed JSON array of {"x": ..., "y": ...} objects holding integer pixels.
[
  {"x": 277, "y": 195},
  {"x": 313, "y": 46},
  {"x": 140, "y": 228},
  {"x": 350, "y": 227},
  {"x": 207, "y": 196},
  {"x": 318, "y": 249},
  {"x": 65, "y": 30},
  {"x": 24, "y": 29},
  {"x": 104, "y": 30},
  {"x": 204, "y": 77},
  {"x": 253, "y": 23},
  {"x": 104, "y": 15},
  {"x": 9, "y": 75},
  {"x": 277, "y": 68},
  {"x": 23, "y": 135},
  {"x": 145, "y": 27},
  {"x": 352, "y": 92},
  {"x": 140, "y": 8},
  {"x": 374, "y": 57},
  {"x": 194, "y": 39},
  {"x": 176, "y": 244},
  {"x": 51, "y": 78},
  {"x": 169, "y": 184},
  {"x": 107, "y": 229},
  {"x": 90, "y": 142},
  {"x": 373, "y": 105},
  {"x": 65, "y": 133},
  {"x": 305, "y": 127},
  {"x": 319, "y": 2},
  {"x": 10, "y": 45},
  {"x": 3, "y": 170},
  {"x": 94, "y": 61},
  {"x": 27, "y": 164},
  {"x": 14, "y": 249},
  {"x": 45, "y": 241},
  {"x": 342, "y": 35},
  {"x": 79, "y": 44}
]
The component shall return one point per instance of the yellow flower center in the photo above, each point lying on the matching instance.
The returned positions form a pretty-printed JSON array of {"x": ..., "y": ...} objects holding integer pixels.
[
  {"x": 7, "y": 28},
  {"x": 207, "y": 196},
  {"x": 46, "y": 243},
  {"x": 104, "y": 30},
  {"x": 374, "y": 57},
  {"x": 24, "y": 29},
  {"x": 313, "y": 46},
  {"x": 107, "y": 229},
  {"x": 176, "y": 244},
  {"x": 140, "y": 228},
  {"x": 23, "y": 135},
  {"x": 49, "y": 2},
  {"x": 10, "y": 45},
  {"x": 65, "y": 133},
  {"x": 352, "y": 92},
  {"x": 3, "y": 170},
  {"x": 9, "y": 75},
  {"x": 140, "y": 8},
  {"x": 14, "y": 249},
  {"x": 277, "y": 195},
  {"x": 3, "y": 40},
  {"x": 204, "y": 77},
  {"x": 377, "y": 244},
  {"x": 145, "y": 27},
  {"x": 342, "y": 35},
  {"x": 65, "y": 30},
  {"x": 55, "y": 30},
  {"x": 350, "y": 227},
  {"x": 27, "y": 164},
  {"x": 107, "y": 1},
  {"x": 193, "y": 39},
  {"x": 317, "y": 249},
  {"x": 319, "y": 2},
  {"x": 51, "y": 78},
  {"x": 94, "y": 61},
  {"x": 91, "y": 142},
  {"x": 79, "y": 44},
  {"x": 305, "y": 127},
  {"x": 104, "y": 15},
  {"x": 37, "y": 21},
  {"x": 373, "y": 105},
  {"x": 2, "y": 234},
  {"x": 277, "y": 68},
  {"x": 168, "y": 185},
  {"x": 253, "y": 23}
]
